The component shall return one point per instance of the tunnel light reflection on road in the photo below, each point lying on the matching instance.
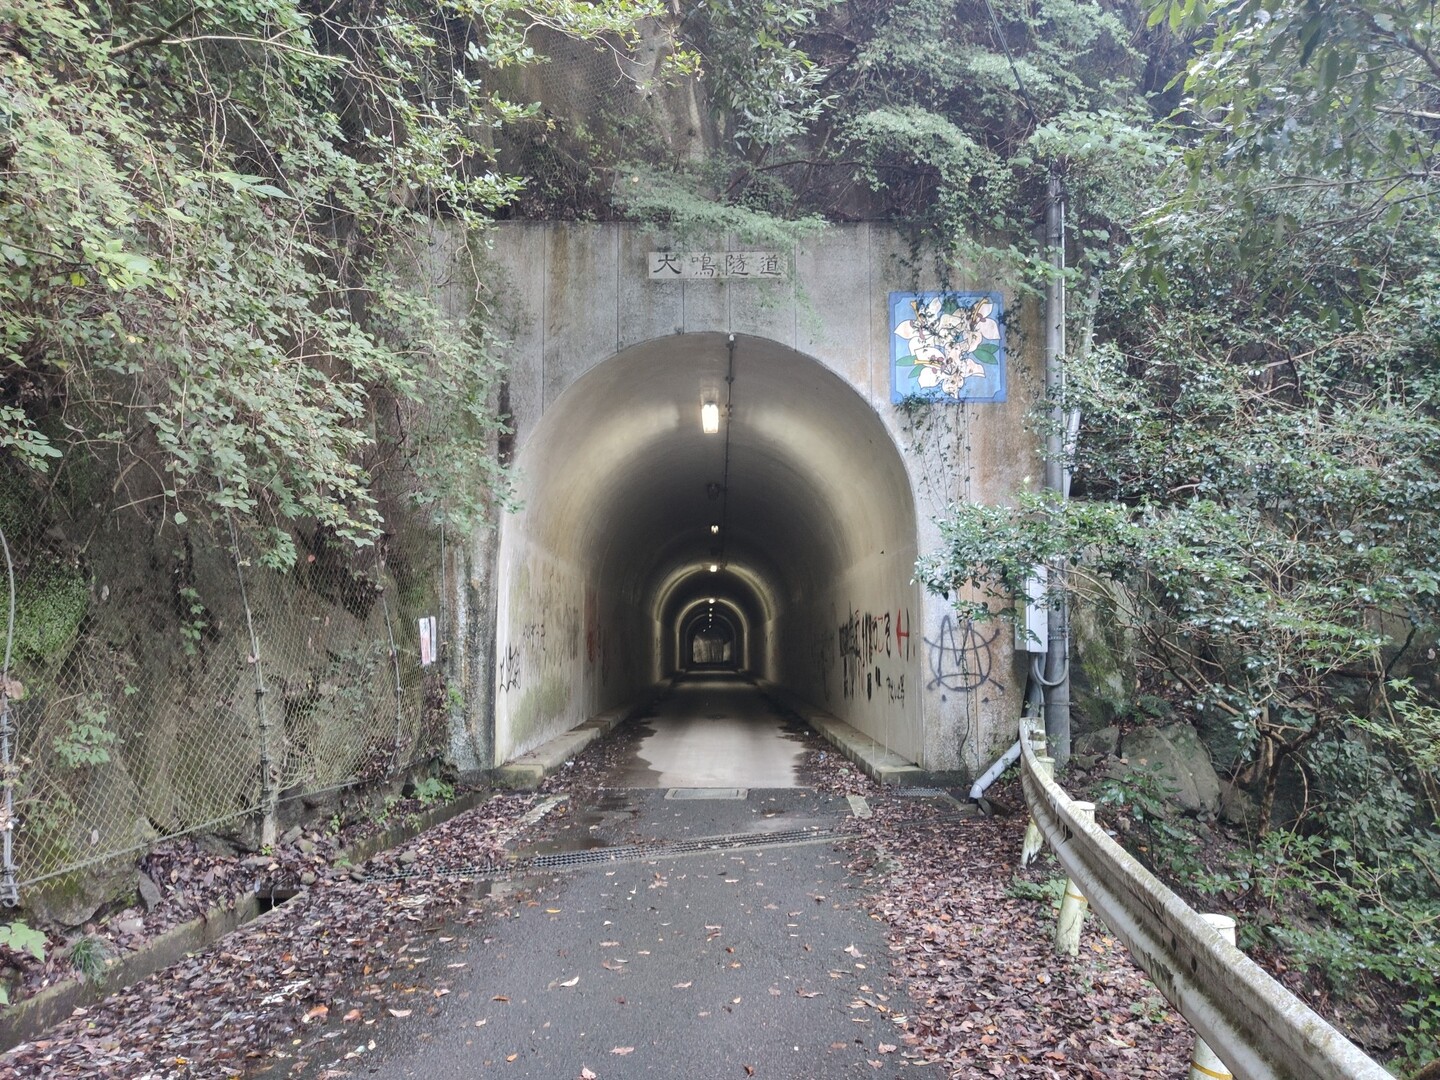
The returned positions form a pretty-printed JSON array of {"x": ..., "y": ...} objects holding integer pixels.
[{"x": 710, "y": 417}]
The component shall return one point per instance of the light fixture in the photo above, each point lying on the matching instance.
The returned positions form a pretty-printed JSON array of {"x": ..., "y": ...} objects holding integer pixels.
[
  {"x": 714, "y": 530},
  {"x": 714, "y": 568},
  {"x": 710, "y": 417},
  {"x": 710, "y": 601}
]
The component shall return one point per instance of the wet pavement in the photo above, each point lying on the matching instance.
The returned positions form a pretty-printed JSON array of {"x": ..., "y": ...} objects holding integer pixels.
[
  {"x": 715, "y": 731},
  {"x": 686, "y": 937}
]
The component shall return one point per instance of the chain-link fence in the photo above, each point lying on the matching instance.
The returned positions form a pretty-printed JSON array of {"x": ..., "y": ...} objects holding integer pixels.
[{"x": 165, "y": 683}]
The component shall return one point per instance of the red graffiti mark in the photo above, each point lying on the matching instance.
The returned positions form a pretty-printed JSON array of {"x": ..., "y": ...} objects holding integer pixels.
[{"x": 902, "y": 637}]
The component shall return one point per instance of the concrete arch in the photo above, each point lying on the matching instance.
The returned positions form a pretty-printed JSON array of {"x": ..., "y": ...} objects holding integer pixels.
[
  {"x": 814, "y": 554},
  {"x": 689, "y": 592},
  {"x": 705, "y": 629}
]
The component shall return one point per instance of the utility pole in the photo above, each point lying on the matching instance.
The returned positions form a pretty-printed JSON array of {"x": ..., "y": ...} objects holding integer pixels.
[{"x": 1056, "y": 675}]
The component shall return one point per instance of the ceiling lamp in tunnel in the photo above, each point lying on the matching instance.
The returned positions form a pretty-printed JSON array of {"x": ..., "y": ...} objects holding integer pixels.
[
  {"x": 714, "y": 568},
  {"x": 710, "y": 417},
  {"x": 714, "y": 530}
]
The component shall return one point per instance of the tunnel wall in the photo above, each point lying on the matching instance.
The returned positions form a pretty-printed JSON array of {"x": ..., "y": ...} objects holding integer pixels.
[{"x": 864, "y": 643}]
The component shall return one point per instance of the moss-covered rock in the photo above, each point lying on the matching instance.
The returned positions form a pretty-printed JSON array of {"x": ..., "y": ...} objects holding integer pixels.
[{"x": 1102, "y": 669}]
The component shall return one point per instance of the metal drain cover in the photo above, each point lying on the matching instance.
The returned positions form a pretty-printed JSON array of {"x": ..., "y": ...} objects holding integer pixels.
[{"x": 688, "y": 793}]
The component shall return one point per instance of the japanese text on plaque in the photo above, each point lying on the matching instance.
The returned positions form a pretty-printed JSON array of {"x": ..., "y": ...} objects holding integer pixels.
[{"x": 717, "y": 265}]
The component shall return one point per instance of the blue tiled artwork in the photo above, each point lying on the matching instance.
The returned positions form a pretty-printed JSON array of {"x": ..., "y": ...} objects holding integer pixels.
[{"x": 947, "y": 346}]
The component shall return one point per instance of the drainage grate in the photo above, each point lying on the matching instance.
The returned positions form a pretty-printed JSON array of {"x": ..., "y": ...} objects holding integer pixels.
[
  {"x": 920, "y": 792},
  {"x": 691, "y": 793},
  {"x": 622, "y": 853}
]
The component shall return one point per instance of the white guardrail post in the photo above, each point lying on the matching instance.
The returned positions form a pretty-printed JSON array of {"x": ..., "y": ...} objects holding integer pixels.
[
  {"x": 1256, "y": 1026},
  {"x": 1204, "y": 1064},
  {"x": 1073, "y": 904},
  {"x": 1034, "y": 842}
]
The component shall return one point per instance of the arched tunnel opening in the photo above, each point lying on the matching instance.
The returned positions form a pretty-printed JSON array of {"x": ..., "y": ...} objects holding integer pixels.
[{"x": 708, "y": 503}]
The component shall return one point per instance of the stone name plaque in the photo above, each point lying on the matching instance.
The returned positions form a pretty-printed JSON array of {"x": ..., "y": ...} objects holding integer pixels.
[{"x": 718, "y": 265}]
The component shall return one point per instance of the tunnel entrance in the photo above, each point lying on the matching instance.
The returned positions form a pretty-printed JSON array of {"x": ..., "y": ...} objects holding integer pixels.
[{"x": 708, "y": 502}]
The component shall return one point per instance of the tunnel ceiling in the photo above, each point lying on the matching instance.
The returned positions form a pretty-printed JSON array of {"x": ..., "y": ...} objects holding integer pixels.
[{"x": 617, "y": 476}]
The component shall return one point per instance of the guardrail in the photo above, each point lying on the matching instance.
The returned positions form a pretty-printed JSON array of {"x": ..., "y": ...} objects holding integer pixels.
[{"x": 1257, "y": 1027}]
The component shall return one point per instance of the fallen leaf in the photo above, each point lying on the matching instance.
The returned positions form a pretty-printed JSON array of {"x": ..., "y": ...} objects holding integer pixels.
[
  {"x": 512, "y": 1057},
  {"x": 749, "y": 1070},
  {"x": 683, "y": 986},
  {"x": 887, "y": 1048},
  {"x": 853, "y": 951},
  {"x": 351, "y": 1016},
  {"x": 499, "y": 997},
  {"x": 400, "y": 1012},
  {"x": 571, "y": 982},
  {"x": 623, "y": 1050},
  {"x": 318, "y": 1012},
  {"x": 586, "y": 1074}
]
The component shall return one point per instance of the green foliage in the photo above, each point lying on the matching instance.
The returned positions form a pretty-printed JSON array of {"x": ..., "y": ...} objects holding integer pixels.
[
  {"x": 763, "y": 87},
  {"x": 21, "y": 937},
  {"x": 677, "y": 202},
  {"x": 1165, "y": 841},
  {"x": 1354, "y": 916},
  {"x": 86, "y": 739},
  {"x": 204, "y": 224},
  {"x": 51, "y": 599},
  {"x": 433, "y": 790},
  {"x": 192, "y": 621},
  {"x": 1048, "y": 891},
  {"x": 1298, "y": 112},
  {"x": 90, "y": 956}
]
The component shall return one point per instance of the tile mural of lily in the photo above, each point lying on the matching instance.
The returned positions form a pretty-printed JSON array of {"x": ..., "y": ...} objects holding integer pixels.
[{"x": 947, "y": 346}]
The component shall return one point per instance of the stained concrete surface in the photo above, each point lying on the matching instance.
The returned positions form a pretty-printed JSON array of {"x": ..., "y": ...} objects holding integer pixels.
[{"x": 714, "y": 730}]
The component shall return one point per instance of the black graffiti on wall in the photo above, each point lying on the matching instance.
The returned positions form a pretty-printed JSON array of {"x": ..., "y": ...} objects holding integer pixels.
[
  {"x": 868, "y": 640},
  {"x": 508, "y": 675},
  {"x": 960, "y": 655}
]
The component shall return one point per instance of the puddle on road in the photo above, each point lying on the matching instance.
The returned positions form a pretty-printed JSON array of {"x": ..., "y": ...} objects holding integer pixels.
[{"x": 585, "y": 828}]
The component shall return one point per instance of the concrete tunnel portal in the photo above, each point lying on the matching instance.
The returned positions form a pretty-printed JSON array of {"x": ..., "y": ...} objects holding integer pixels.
[{"x": 647, "y": 546}]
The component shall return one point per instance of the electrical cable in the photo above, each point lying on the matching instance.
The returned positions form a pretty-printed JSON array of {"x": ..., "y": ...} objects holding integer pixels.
[
  {"x": 1014, "y": 70},
  {"x": 725, "y": 473}
]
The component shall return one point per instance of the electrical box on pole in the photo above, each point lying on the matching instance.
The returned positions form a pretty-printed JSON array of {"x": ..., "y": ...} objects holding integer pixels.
[{"x": 1032, "y": 614}]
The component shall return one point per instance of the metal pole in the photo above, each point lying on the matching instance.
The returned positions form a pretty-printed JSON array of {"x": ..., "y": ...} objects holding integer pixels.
[
  {"x": 9, "y": 775},
  {"x": 269, "y": 767},
  {"x": 1057, "y": 479}
]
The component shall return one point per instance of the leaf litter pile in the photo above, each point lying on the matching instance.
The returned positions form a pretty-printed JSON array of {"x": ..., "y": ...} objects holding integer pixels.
[
  {"x": 969, "y": 935},
  {"x": 972, "y": 936},
  {"x": 350, "y": 949}
]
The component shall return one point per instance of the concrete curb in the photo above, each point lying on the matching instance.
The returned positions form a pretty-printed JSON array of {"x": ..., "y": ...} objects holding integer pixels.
[
  {"x": 26, "y": 1020},
  {"x": 528, "y": 770},
  {"x": 882, "y": 765}
]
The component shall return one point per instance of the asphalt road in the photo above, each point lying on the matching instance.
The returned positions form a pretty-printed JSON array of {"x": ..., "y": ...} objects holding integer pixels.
[{"x": 750, "y": 958}]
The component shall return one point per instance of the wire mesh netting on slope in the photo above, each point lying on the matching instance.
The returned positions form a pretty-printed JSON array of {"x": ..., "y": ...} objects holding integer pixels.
[{"x": 159, "y": 689}]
